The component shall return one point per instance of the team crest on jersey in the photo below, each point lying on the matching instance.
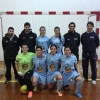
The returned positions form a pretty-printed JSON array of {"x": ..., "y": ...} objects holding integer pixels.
[
  {"x": 52, "y": 67},
  {"x": 23, "y": 37},
  {"x": 40, "y": 69},
  {"x": 24, "y": 67},
  {"x": 43, "y": 47},
  {"x": 68, "y": 39}
]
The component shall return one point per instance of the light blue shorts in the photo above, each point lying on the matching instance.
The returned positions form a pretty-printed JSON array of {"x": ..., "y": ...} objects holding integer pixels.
[
  {"x": 41, "y": 78},
  {"x": 68, "y": 76},
  {"x": 50, "y": 76}
]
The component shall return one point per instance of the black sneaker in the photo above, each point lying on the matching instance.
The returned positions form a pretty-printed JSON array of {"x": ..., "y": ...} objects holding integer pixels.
[{"x": 7, "y": 81}]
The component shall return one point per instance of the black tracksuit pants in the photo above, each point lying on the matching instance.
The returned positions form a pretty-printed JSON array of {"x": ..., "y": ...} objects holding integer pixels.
[
  {"x": 9, "y": 63},
  {"x": 26, "y": 80},
  {"x": 85, "y": 62}
]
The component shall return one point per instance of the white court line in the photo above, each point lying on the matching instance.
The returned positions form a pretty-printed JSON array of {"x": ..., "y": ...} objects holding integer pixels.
[{"x": 13, "y": 81}]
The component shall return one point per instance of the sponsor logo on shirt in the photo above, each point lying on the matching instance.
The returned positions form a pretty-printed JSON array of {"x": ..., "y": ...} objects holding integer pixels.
[
  {"x": 68, "y": 69},
  {"x": 92, "y": 37},
  {"x": 24, "y": 67},
  {"x": 31, "y": 37},
  {"x": 75, "y": 38},
  {"x": 94, "y": 58},
  {"x": 15, "y": 41},
  {"x": 52, "y": 67},
  {"x": 40, "y": 69},
  {"x": 6, "y": 41},
  {"x": 83, "y": 58}
]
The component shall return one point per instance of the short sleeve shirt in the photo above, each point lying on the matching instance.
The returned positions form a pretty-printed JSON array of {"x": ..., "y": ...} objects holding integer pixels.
[{"x": 25, "y": 61}]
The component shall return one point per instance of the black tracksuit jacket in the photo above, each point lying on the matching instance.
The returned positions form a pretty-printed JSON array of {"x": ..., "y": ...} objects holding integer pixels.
[
  {"x": 29, "y": 39},
  {"x": 89, "y": 42},
  {"x": 10, "y": 47},
  {"x": 72, "y": 40}
]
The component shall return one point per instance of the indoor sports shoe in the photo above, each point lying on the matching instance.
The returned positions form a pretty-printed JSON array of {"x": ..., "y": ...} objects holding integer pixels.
[
  {"x": 59, "y": 93},
  {"x": 93, "y": 82},
  {"x": 7, "y": 81},
  {"x": 30, "y": 94},
  {"x": 79, "y": 94},
  {"x": 35, "y": 88}
]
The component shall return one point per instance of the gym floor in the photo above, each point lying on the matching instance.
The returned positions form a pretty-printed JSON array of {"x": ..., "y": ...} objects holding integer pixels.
[{"x": 11, "y": 90}]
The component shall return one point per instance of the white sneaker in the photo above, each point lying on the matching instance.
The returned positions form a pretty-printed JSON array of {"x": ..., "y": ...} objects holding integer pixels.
[{"x": 93, "y": 82}]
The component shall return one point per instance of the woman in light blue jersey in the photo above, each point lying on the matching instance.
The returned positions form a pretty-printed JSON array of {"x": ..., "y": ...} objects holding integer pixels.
[
  {"x": 43, "y": 40},
  {"x": 39, "y": 64},
  {"x": 53, "y": 73},
  {"x": 68, "y": 64},
  {"x": 58, "y": 40}
]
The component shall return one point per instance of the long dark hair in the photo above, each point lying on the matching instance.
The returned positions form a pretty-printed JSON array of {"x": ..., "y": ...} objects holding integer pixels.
[{"x": 59, "y": 33}]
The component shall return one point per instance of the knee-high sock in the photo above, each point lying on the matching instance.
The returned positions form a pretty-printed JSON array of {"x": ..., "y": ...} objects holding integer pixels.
[
  {"x": 59, "y": 85},
  {"x": 78, "y": 86}
]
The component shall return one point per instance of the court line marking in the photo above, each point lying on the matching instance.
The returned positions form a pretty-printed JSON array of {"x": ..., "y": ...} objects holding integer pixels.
[
  {"x": 12, "y": 81},
  {"x": 9, "y": 81}
]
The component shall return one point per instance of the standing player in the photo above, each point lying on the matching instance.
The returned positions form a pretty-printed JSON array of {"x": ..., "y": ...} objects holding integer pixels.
[
  {"x": 39, "y": 63},
  {"x": 58, "y": 40},
  {"x": 43, "y": 40},
  {"x": 53, "y": 69},
  {"x": 10, "y": 48},
  {"x": 72, "y": 40},
  {"x": 90, "y": 41},
  {"x": 24, "y": 68},
  {"x": 28, "y": 37},
  {"x": 68, "y": 64}
]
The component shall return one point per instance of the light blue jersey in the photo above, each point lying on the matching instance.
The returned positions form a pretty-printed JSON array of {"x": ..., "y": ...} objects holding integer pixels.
[
  {"x": 55, "y": 40},
  {"x": 68, "y": 69},
  {"x": 44, "y": 42},
  {"x": 52, "y": 62},
  {"x": 68, "y": 62},
  {"x": 53, "y": 68},
  {"x": 40, "y": 64}
]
